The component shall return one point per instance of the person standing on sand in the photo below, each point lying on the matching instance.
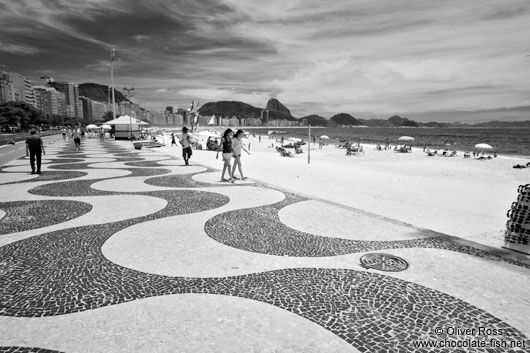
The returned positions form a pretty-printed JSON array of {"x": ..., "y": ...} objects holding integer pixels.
[
  {"x": 237, "y": 146},
  {"x": 186, "y": 145},
  {"x": 35, "y": 150},
  {"x": 226, "y": 145},
  {"x": 173, "y": 142}
]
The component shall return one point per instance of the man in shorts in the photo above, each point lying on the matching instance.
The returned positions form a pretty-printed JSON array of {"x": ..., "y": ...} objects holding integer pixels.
[{"x": 186, "y": 145}]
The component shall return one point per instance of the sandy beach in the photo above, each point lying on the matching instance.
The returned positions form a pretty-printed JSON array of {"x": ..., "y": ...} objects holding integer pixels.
[{"x": 466, "y": 198}]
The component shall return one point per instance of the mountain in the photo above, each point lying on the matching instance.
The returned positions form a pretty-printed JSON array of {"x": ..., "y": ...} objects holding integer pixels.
[
  {"x": 230, "y": 109},
  {"x": 244, "y": 110},
  {"x": 99, "y": 92},
  {"x": 275, "y": 106},
  {"x": 344, "y": 119},
  {"x": 316, "y": 120},
  {"x": 519, "y": 124},
  {"x": 396, "y": 120}
]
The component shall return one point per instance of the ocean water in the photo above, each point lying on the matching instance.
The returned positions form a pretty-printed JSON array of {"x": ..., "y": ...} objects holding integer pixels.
[{"x": 505, "y": 141}]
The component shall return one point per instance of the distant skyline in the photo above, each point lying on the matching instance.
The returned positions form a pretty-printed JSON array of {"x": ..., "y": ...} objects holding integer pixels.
[{"x": 426, "y": 60}]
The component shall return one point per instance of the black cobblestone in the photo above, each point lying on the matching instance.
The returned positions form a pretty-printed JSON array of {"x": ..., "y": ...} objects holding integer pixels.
[{"x": 25, "y": 215}]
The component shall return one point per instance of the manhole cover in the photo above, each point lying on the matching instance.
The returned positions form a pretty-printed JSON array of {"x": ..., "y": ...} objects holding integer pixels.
[{"x": 384, "y": 262}]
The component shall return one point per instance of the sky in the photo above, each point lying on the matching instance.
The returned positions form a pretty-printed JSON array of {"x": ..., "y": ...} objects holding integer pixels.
[{"x": 429, "y": 60}]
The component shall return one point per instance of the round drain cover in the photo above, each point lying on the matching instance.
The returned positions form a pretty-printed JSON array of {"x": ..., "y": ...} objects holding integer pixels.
[{"x": 384, "y": 262}]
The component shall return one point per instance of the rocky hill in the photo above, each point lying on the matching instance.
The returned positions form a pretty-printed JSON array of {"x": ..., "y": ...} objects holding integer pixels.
[
  {"x": 280, "y": 110},
  {"x": 244, "y": 110},
  {"x": 343, "y": 119},
  {"x": 316, "y": 120},
  {"x": 505, "y": 124},
  {"x": 99, "y": 92},
  {"x": 396, "y": 120},
  {"x": 230, "y": 109}
]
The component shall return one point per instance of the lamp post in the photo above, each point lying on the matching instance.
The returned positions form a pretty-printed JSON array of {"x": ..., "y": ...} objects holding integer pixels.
[
  {"x": 129, "y": 104},
  {"x": 112, "y": 54}
]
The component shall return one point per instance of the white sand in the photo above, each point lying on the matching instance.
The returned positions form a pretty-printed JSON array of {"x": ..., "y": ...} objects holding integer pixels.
[{"x": 466, "y": 198}]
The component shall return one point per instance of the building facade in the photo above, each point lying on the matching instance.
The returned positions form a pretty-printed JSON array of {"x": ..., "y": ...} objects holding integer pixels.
[
  {"x": 94, "y": 111},
  {"x": 74, "y": 107},
  {"x": 16, "y": 87}
]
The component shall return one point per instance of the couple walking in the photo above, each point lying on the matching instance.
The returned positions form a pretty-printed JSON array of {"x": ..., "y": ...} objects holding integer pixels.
[{"x": 232, "y": 146}]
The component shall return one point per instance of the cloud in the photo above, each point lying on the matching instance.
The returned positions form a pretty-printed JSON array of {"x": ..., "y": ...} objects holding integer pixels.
[
  {"x": 316, "y": 57},
  {"x": 18, "y": 49}
]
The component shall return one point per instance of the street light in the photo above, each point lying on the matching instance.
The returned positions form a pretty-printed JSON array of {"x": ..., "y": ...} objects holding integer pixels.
[
  {"x": 129, "y": 104},
  {"x": 112, "y": 54}
]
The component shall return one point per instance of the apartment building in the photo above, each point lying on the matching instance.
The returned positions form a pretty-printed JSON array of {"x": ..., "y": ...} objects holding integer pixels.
[
  {"x": 74, "y": 107},
  {"x": 16, "y": 87}
]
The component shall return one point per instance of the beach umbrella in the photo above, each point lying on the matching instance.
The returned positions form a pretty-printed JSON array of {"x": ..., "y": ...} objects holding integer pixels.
[
  {"x": 106, "y": 127},
  {"x": 483, "y": 146},
  {"x": 324, "y": 137},
  {"x": 406, "y": 138},
  {"x": 294, "y": 139},
  {"x": 91, "y": 126}
]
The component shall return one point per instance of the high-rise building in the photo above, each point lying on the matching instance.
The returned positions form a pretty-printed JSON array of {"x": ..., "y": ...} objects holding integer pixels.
[
  {"x": 71, "y": 92},
  {"x": 86, "y": 104},
  {"x": 41, "y": 98},
  {"x": 49, "y": 100},
  {"x": 18, "y": 87},
  {"x": 94, "y": 111},
  {"x": 61, "y": 103}
]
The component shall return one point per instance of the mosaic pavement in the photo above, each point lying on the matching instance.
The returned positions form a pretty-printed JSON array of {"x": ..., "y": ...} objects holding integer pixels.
[{"x": 115, "y": 249}]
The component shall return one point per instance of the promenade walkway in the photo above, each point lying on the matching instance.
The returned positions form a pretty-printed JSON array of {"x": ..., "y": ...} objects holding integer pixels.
[{"x": 113, "y": 249}]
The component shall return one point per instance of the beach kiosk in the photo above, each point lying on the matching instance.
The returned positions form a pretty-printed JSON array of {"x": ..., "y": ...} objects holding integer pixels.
[{"x": 125, "y": 126}]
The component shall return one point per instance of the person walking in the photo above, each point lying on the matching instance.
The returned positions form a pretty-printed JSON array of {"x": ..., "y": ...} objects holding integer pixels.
[
  {"x": 237, "y": 147},
  {"x": 186, "y": 145},
  {"x": 35, "y": 150},
  {"x": 77, "y": 141},
  {"x": 173, "y": 142},
  {"x": 226, "y": 145}
]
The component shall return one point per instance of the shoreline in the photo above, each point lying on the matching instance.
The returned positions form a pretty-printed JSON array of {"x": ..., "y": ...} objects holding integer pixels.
[
  {"x": 373, "y": 138},
  {"x": 336, "y": 142}
]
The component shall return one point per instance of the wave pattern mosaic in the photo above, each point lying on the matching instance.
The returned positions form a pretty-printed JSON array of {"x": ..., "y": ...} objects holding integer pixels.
[{"x": 108, "y": 228}]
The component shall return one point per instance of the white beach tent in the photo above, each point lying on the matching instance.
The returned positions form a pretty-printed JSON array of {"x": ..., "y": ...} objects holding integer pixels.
[
  {"x": 126, "y": 125},
  {"x": 212, "y": 120},
  {"x": 126, "y": 120}
]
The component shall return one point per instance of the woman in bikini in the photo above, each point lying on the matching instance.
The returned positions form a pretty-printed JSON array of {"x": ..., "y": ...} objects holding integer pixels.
[
  {"x": 237, "y": 146},
  {"x": 226, "y": 145}
]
